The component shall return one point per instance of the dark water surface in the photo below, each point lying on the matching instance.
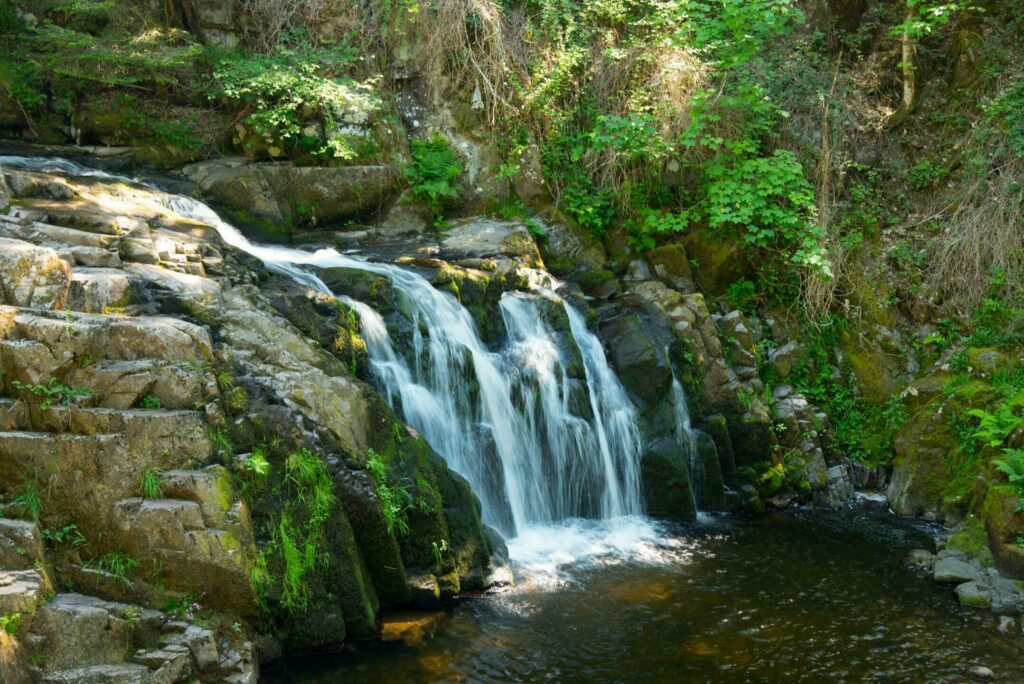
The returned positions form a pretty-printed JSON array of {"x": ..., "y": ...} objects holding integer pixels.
[{"x": 805, "y": 596}]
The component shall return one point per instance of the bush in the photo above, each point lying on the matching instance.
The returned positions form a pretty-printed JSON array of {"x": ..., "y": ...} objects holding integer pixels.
[{"x": 287, "y": 90}]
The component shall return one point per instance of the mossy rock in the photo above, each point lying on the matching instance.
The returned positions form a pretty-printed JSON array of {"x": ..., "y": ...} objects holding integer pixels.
[
  {"x": 879, "y": 375},
  {"x": 972, "y": 539},
  {"x": 665, "y": 480}
]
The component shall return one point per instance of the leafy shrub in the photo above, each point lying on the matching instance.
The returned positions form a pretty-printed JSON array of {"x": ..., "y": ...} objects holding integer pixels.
[
  {"x": 291, "y": 87},
  {"x": 925, "y": 175},
  {"x": 434, "y": 172},
  {"x": 741, "y": 294}
]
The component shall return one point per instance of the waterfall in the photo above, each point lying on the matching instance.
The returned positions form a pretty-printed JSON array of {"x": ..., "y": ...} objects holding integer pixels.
[
  {"x": 541, "y": 440},
  {"x": 687, "y": 439}
]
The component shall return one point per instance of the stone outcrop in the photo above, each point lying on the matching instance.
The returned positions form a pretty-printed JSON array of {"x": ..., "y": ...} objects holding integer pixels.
[{"x": 295, "y": 195}]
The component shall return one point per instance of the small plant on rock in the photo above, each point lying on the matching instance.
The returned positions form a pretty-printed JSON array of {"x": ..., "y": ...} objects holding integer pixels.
[
  {"x": 151, "y": 402},
  {"x": 51, "y": 393},
  {"x": 28, "y": 501},
  {"x": 116, "y": 563},
  {"x": 395, "y": 500},
  {"x": 150, "y": 484}
]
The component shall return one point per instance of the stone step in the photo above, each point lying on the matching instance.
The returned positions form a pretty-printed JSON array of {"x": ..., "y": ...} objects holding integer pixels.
[
  {"x": 89, "y": 257},
  {"x": 78, "y": 631},
  {"x": 20, "y": 591},
  {"x": 45, "y": 233},
  {"x": 181, "y": 431},
  {"x": 95, "y": 289},
  {"x": 191, "y": 553},
  {"x": 210, "y": 488},
  {"x": 113, "y": 338},
  {"x": 121, "y": 673}
]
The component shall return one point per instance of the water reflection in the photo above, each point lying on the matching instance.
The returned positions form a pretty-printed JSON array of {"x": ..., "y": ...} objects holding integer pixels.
[{"x": 787, "y": 597}]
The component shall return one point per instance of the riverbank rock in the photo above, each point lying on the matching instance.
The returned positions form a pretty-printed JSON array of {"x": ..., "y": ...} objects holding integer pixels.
[{"x": 295, "y": 195}]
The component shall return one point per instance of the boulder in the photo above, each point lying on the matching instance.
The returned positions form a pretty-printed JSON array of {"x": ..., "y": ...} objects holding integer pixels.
[
  {"x": 95, "y": 289},
  {"x": 641, "y": 364},
  {"x": 672, "y": 266},
  {"x": 568, "y": 250},
  {"x": 296, "y": 195},
  {"x": 955, "y": 569},
  {"x": 665, "y": 480},
  {"x": 784, "y": 358},
  {"x": 21, "y": 546},
  {"x": 974, "y": 595},
  {"x": 32, "y": 276},
  {"x": 485, "y": 238}
]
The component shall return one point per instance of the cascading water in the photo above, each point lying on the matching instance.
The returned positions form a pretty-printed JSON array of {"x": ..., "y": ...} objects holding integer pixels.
[
  {"x": 537, "y": 444},
  {"x": 687, "y": 439}
]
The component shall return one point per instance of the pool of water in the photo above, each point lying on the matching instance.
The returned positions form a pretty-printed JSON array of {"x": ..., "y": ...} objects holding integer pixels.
[{"x": 802, "y": 596}]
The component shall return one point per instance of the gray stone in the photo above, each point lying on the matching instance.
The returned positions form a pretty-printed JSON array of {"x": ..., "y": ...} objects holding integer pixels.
[
  {"x": 100, "y": 674},
  {"x": 974, "y": 595},
  {"x": 32, "y": 276},
  {"x": 482, "y": 238},
  {"x": 19, "y": 591},
  {"x": 981, "y": 673},
  {"x": 953, "y": 570},
  {"x": 21, "y": 545},
  {"x": 782, "y": 359},
  {"x": 921, "y": 560}
]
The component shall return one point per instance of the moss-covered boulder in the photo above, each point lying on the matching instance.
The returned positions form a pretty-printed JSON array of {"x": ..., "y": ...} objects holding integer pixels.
[{"x": 665, "y": 480}]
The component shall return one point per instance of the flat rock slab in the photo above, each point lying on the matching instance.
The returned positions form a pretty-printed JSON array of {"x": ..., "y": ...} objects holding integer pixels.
[{"x": 955, "y": 571}]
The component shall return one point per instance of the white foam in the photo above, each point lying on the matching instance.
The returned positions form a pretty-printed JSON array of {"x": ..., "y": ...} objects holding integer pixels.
[{"x": 546, "y": 557}]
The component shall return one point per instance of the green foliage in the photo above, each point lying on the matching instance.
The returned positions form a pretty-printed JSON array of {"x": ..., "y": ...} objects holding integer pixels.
[
  {"x": 68, "y": 534},
  {"x": 1012, "y": 465},
  {"x": 293, "y": 86},
  {"x": 150, "y": 402},
  {"x": 149, "y": 485},
  {"x": 926, "y": 17},
  {"x": 10, "y": 624},
  {"x": 116, "y": 563},
  {"x": 434, "y": 172},
  {"x": 741, "y": 294},
  {"x": 51, "y": 393},
  {"x": 996, "y": 426},
  {"x": 257, "y": 464},
  {"x": 221, "y": 441},
  {"x": 286, "y": 566},
  {"x": 732, "y": 32},
  {"x": 926, "y": 175},
  {"x": 1006, "y": 110},
  {"x": 395, "y": 500},
  {"x": 28, "y": 502}
]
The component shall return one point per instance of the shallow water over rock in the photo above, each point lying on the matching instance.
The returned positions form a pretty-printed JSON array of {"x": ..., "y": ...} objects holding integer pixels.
[{"x": 803, "y": 596}]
